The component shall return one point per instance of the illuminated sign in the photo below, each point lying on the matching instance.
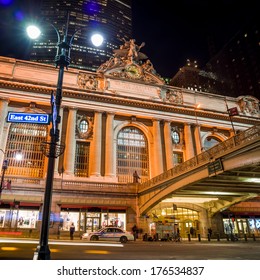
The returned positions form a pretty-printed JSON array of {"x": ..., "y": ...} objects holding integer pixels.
[{"x": 16, "y": 117}]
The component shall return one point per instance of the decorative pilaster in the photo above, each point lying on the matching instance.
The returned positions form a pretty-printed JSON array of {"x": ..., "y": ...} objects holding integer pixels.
[
  {"x": 69, "y": 155},
  {"x": 188, "y": 141},
  {"x": 95, "y": 152},
  {"x": 168, "y": 145},
  {"x": 158, "y": 162},
  {"x": 197, "y": 139},
  {"x": 109, "y": 153}
]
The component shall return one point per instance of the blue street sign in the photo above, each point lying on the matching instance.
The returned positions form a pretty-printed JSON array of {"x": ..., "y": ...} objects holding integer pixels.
[{"x": 16, "y": 117}]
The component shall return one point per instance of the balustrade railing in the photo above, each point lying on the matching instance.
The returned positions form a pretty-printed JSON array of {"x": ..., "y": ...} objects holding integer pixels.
[
  {"x": 60, "y": 184},
  {"x": 240, "y": 139}
]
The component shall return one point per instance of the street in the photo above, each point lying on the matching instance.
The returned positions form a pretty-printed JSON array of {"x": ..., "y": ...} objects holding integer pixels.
[{"x": 23, "y": 249}]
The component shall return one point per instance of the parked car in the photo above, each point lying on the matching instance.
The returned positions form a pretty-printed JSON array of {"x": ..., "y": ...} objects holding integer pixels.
[{"x": 109, "y": 233}]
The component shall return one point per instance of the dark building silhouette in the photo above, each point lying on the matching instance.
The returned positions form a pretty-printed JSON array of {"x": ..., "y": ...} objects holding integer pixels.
[
  {"x": 111, "y": 18},
  {"x": 232, "y": 71}
]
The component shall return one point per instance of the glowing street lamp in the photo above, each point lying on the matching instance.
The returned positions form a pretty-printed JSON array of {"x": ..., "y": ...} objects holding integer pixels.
[{"x": 51, "y": 149}]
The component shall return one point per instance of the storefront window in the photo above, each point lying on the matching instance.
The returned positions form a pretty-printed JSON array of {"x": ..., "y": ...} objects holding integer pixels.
[
  {"x": 18, "y": 218},
  {"x": 91, "y": 221},
  {"x": 27, "y": 219},
  {"x": 230, "y": 226},
  {"x": 114, "y": 219},
  {"x": 2, "y": 218},
  {"x": 67, "y": 218}
]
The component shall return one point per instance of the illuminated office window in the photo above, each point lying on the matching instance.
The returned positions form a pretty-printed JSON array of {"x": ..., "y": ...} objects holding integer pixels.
[{"x": 132, "y": 155}]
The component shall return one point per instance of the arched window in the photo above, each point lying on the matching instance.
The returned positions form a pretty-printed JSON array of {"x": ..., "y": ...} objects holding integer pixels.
[
  {"x": 83, "y": 126},
  {"x": 210, "y": 141},
  {"x": 27, "y": 139},
  {"x": 132, "y": 155},
  {"x": 175, "y": 137}
]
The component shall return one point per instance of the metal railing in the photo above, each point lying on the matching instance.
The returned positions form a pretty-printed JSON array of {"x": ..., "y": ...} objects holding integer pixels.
[{"x": 236, "y": 141}]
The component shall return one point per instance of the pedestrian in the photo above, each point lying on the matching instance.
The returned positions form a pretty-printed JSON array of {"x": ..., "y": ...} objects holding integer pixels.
[
  {"x": 72, "y": 230},
  {"x": 191, "y": 231},
  {"x": 209, "y": 232},
  {"x": 135, "y": 232},
  {"x": 135, "y": 177}
]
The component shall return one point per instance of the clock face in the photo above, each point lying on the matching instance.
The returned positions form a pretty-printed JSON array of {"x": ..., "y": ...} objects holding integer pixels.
[{"x": 133, "y": 71}]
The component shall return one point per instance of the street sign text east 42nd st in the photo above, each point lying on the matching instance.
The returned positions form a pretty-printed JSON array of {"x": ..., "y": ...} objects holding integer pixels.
[{"x": 15, "y": 117}]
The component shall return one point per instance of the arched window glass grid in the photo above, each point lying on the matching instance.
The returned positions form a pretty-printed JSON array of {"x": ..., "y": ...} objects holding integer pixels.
[
  {"x": 81, "y": 168},
  {"x": 132, "y": 155},
  {"x": 83, "y": 126},
  {"x": 210, "y": 142},
  {"x": 26, "y": 138},
  {"x": 175, "y": 137}
]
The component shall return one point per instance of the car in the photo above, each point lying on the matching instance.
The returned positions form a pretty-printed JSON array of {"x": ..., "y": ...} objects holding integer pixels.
[{"x": 109, "y": 233}]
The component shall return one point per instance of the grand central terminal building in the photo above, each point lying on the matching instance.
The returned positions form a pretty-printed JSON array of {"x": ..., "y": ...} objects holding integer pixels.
[{"x": 124, "y": 119}]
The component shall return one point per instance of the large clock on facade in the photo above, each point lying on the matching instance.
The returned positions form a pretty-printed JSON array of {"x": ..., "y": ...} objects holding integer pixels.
[{"x": 133, "y": 71}]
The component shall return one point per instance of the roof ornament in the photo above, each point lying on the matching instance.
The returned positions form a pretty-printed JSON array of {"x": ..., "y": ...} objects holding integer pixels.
[{"x": 129, "y": 62}]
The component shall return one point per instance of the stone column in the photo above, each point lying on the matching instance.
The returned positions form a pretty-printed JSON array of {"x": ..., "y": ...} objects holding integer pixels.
[
  {"x": 69, "y": 155},
  {"x": 158, "y": 160},
  {"x": 95, "y": 151},
  {"x": 188, "y": 141},
  {"x": 197, "y": 139},
  {"x": 109, "y": 152},
  {"x": 3, "y": 110},
  {"x": 168, "y": 145}
]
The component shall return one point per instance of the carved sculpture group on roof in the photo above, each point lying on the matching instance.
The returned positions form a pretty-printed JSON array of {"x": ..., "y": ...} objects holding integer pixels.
[
  {"x": 128, "y": 62},
  {"x": 249, "y": 105}
]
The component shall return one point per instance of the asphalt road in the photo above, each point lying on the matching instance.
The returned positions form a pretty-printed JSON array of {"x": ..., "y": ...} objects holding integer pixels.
[{"x": 19, "y": 249}]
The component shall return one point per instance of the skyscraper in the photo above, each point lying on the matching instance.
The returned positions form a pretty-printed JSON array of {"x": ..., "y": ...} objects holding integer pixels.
[
  {"x": 111, "y": 18},
  {"x": 232, "y": 71}
]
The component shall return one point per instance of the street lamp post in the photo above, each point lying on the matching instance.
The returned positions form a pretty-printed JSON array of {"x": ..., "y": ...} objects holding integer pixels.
[
  {"x": 51, "y": 149},
  {"x": 4, "y": 168}
]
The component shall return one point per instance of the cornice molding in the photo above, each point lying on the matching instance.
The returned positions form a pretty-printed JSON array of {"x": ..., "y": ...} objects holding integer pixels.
[{"x": 109, "y": 98}]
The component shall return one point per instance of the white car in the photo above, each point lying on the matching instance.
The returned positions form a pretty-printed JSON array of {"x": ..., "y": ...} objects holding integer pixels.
[{"x": 109, "y": 233}]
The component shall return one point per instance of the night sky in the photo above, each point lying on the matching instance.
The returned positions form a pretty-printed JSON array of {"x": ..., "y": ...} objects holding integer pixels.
[{"x": 173, "y": 31}]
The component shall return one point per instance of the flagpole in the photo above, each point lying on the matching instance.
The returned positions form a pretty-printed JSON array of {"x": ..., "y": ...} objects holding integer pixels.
[{"x": 230, "y": 117}]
